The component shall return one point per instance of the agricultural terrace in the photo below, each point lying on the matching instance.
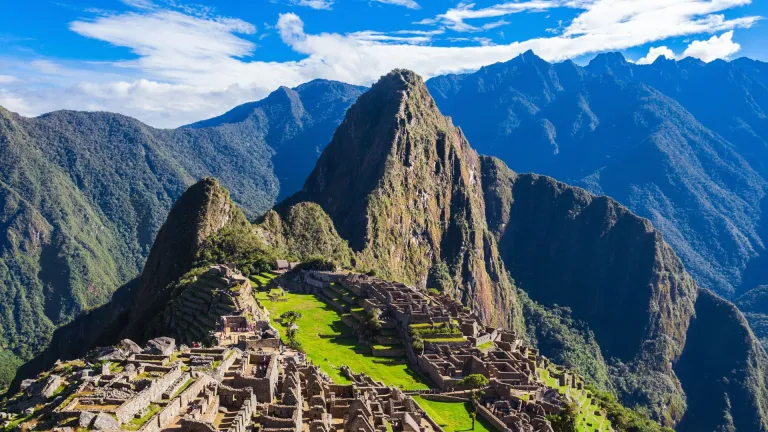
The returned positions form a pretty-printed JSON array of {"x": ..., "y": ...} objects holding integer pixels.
[{"x": 589, "y": 418}]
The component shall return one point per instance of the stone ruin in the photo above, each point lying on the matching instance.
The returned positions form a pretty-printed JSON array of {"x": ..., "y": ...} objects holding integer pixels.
[{"x": 249, "y": 380}]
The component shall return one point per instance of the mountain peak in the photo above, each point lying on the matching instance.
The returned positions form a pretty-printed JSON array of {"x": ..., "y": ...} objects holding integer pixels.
[
  {"x": 612, "y": 58},
  {"x": 391, "y": 180},
  {"x": 397, "y": 80},
  {"x": 610, "y": 63},
  {"x": 528, "y": 57},
  {"x": 200, "y": 212}
]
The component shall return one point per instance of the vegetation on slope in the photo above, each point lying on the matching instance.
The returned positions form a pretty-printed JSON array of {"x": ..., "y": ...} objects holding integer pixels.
[
  {"x": 82, "y": 195},
  {"x": 754, "y": 305},
  {"x": 565, "y": 341},
  {"x": 400, "y": 183},
  {"x": 682, "y": 143},
  {"x": 305, "y": 231}
]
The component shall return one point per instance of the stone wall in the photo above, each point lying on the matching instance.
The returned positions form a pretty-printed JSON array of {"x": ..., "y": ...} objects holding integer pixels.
[
  {"x": 188, "y": 425},
  {"x": 244, "y": 416},
  {"x": 225, "y": 364},
  {"x": 173, "y": 388},
  {"x": 435, "y": 346},
  {"x": 174, "y": 407},
  {"x": 154, "y": 392},
  {"x": 492, "y": 419}
]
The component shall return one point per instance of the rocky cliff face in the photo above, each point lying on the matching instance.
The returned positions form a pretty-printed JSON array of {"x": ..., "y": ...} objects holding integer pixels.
[
  {"x": 403, "y": 187},
  {"x": 722, "y": 371},
  {"x": 566, "y": 247},
  {"x": 664, "y": 338},
  {"x": 202, "y": 211}
]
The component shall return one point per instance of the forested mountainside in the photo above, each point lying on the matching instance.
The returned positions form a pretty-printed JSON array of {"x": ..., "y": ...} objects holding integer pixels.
[
  {"x": 296, "y": 123},
  {"x": 82, "y": 196},
  {"x": 401, "y": 185},
  {"x": 682, "y": 143},
  {"x": 592, "y": 285},
  {"x": 574, "y": 257}
]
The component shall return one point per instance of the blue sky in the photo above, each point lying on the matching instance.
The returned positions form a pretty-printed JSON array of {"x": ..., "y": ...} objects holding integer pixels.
[{"x": 170, "y": 62}]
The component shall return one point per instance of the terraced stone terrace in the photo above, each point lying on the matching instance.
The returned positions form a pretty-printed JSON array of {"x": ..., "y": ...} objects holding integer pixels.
[
  {"x": 356, "y": 370},
  {"x": 589, "y": 418}
]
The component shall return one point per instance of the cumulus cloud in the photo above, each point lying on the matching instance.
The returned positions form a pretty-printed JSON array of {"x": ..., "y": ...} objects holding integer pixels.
[
  {"x": 655, "y": 53},
  {"x": 190, "y": 66},
  {"x": 714, "y": 48},
  {"x": 8, "y": 79}
]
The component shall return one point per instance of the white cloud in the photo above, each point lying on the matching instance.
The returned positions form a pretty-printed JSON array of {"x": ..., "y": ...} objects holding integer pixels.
[
  {"x": 46, "y": 66},
  {"x": 721, "y": 47},
  {"x": 716, "y": 47},
  {"x": 8, "y": 79},
  {"x": 455, "y": 18},
  {"x": 494, "y": 24},
  {"x": 314, "y": 4},
  {"x": 654, "y": 53},
  {"x": 190, "y": 66},
  {"x": 410, "y": 4}
]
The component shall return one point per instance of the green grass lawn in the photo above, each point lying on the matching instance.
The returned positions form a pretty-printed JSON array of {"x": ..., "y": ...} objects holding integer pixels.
[
  {"x": 329, "y": 343},
  {"x": 261, "y": 279},
  {"x": 137, "y": 423},
  {"x": 453, "y": 416},
  {"x": 485, "y": 346}
]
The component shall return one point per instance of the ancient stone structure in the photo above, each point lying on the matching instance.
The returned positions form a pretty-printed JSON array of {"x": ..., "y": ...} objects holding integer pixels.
[{"x": 248, "y": 380}]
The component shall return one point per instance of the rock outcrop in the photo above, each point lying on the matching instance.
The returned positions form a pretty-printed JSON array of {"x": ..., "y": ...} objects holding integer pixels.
[
  {"x": 203, "y": 210},
  {"x": 402, "y": 186},
  {"x": 304, "y": 231}
]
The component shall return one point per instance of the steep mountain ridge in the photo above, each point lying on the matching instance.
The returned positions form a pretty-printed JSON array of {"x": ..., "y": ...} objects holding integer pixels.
[
  {"x": 296, "y": 123},
  {"x": 200, "y": 213},
  {"x": 613, "y": 271},
  {"x": 655, "y": 137},
  {"x": 402, "y": 186}
]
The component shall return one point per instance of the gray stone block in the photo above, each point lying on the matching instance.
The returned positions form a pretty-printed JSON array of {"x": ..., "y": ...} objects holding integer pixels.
[
  {"x": 162, "y": 345},
  {"x": 86, "y": 418},
  {"x": 105, "y": 422},
  {"x": 130, "y": 346}
]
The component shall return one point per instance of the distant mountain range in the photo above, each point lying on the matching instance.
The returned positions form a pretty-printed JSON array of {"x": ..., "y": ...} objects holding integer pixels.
[{"x": 82, "y": 195}]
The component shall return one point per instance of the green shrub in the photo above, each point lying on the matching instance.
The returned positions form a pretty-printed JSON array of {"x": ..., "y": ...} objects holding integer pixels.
[{"x": 474, "y": 381}]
